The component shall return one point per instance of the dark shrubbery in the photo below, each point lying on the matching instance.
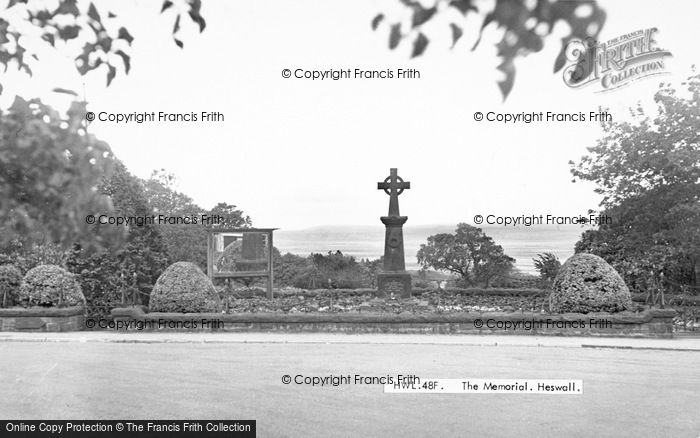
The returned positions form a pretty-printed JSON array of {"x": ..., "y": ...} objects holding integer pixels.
[
  {"x": 48, "y": 170},
  {"x": 26, "y": 255},
  {"x": 50, "y": 286},
  {"x": 10, "y": 280},
  {"x": 332, "y": 270},
  {"x": 587, "y": 283},
  {"x": 102, "y": 280},
  {"x": 548, "y": 265},
  {"x": 186, "y": 243},
  {"x": 646, "y": 169},
  {"x": 184, "y": 288},
  {"x": 136, "y": 263}
]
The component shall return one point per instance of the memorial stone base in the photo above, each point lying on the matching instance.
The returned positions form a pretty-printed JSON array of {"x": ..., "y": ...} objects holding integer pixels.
[{"x": 396, "y": 283}]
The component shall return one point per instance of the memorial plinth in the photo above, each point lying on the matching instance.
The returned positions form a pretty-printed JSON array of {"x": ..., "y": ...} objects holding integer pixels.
[{"x": 394, "y": 280}]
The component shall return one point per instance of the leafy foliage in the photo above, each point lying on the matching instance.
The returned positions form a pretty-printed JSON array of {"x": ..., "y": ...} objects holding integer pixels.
[
  {"x": 52, "y": 175},
  {"x": 469, "y": 253},
  {"x": 104, "y": 43},
  {"x": 49, "y": 172},
  {"x": 10, "y": 280},
  {"x": 288, "y": 269},
  {"x": 332, "y": 270},
  {"x": 182, "y": 242},
  {"x": 144, "y": 252},
  {"x": 370, "y": 269},
  {"x": 548, "y": 265},
  {"x": 164, "y": 199},
  {"x": 187, "y": 242},
  {"x": 338, "y": 270},
  {"x": 50, "y": 286},
  {"x": 586, "y": 283},
  {"x": 524, "y": 27},
  {"x": 232, "y": 217},
  {"x": 184, "y": 288},
  {"x": 102, "y": 279},
  {"x": 26, "y": 256},
  {"x": 648, "y": 171},
  {"x": 136, "y": 264}
]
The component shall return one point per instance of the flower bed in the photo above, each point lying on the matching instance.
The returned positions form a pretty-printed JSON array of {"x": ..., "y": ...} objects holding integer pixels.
[
  {"x": 291, "y": 300},
  {"x": 450, "y": 301}
]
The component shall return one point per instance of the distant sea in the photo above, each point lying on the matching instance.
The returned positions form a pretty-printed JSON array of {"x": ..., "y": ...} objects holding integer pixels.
[{"x": 521, "y": 243}]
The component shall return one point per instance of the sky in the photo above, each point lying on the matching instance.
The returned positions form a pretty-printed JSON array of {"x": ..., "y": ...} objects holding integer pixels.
[{"x": 295, "y": 153}]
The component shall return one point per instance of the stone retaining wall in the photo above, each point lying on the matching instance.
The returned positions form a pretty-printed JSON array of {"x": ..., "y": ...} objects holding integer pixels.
[
  {"x": 651, "y": 323},
  {"x": 42, "y": 319}
]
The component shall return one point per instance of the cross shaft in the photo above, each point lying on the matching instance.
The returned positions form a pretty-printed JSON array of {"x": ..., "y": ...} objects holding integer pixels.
[{"x": 393, "y": 186}]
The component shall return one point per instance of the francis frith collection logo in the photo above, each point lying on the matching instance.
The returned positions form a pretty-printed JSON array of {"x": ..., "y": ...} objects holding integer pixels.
[{"x": 614, "y": 63}]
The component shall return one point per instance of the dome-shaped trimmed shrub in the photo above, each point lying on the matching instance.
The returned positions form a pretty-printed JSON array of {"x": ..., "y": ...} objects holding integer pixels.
[
  {"x": 184, "y": 288},
  {"x": 587, "y": 283},
  {"x": 10, "y": 280},
  {"x": 228, "y": 258},
  {"x": 50, "y": 286}
]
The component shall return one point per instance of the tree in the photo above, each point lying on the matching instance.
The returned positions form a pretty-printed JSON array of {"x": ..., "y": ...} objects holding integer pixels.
[
  {"x": 548, "y": 265},
  {"x": 105, "y": 44},
  {"x": 490, "y": 262},
  {"x": 164, "y": 199},
  {"x": 50, "y": 169},
  {"x": 144, "y": 254},
  {"x": 469, "y": 253},
  {"x": 648, "y": 172},
  {"x": 184, "y": 243},
  {"x": 137, "y": 264},
  {"x": 444, "y": 253},
  {"x": 524, "y": 27},
  {"x": 188, "y": 242},
  {"x": 232, "y": 217}
]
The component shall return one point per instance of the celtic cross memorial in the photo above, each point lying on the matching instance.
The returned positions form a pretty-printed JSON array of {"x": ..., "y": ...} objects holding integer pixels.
[{"x": 394, "y": 279}]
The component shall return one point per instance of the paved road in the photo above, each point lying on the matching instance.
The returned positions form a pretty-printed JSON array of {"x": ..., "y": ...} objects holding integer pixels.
[{"x": 627, "y": 392}]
